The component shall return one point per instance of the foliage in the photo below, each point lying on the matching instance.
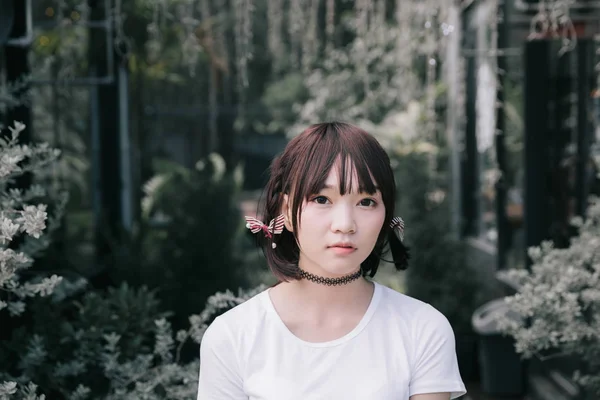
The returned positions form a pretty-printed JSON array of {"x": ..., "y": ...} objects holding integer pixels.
[
  {"x": 12, "y": 94},
  {"x": 9, "y": 390},
  {"x": 74, "y": 346},
  {"x": 557, "y": 306},
  {"x": 113, "y": 345},
  {"x": 365, "y": 80},
  {"x": 193, "y": 224},
  {"x": 167, "y": 377},
  {"x": 386, "y": 64},
  {"x": 281, "y": 100},
  {"x": 23, "y": 216},
  {"x": 21, "y": 212},
  {"x": 118, "y": 346},
  {"x": 439, "y": 271}
]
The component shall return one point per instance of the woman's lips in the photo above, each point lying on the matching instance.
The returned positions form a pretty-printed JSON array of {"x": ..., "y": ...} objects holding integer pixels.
[{"x": 342, "y": 250}]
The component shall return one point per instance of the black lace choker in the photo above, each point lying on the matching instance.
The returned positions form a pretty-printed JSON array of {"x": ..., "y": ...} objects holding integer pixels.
[{"x": 343, "y": 280}]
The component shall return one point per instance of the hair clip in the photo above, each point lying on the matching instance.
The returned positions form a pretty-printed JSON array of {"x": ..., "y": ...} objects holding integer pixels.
[
  {"x": 275, "y": 226},
  {"x": 397, "y": 225}
]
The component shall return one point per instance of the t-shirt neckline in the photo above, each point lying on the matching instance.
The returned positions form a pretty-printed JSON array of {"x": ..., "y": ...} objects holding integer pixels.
[{"x": 266, "y": 299}]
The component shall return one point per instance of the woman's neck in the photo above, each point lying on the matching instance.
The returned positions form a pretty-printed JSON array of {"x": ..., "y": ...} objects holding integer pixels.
[{"x": 322, "y": 300}]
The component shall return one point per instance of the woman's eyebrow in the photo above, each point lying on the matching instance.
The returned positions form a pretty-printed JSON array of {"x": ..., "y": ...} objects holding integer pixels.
[{"x": 331, "y": 187}]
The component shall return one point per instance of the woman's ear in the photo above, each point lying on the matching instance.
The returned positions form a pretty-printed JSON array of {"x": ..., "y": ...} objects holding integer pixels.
[{"x": 285, "y": 210}]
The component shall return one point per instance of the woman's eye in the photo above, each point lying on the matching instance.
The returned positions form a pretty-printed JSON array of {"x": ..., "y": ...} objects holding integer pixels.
[
  {"x": 320, "y": 199},
  {"x": 368, "y": 203}
]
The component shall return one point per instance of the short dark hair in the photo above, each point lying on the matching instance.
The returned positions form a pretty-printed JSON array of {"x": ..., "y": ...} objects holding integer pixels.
[{"x": 301, "y": 170}]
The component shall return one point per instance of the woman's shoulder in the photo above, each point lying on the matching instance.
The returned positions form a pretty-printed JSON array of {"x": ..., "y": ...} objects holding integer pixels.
[
  {"x": 416, "y": 312},
  {"x": 240, "y": 315},
  {"x": 400, "y": 301}
]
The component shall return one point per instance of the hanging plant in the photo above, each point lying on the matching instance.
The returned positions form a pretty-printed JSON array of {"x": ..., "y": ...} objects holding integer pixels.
[
  {"x": 275, "y": 13},
  {"x": 376, "y": 73}
]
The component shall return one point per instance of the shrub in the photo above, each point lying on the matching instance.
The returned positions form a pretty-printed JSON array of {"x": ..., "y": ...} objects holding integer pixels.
[
  {"x": 439, "y": 271},
  {"x": 21, "y": 212},
  {"x": 114, "y": 346},
  {"x": 194, "y": 221},
  {"x": 557, "y": 306},
  {"x": 59, "y": 355},
  {"x": 23, "y": 216}
]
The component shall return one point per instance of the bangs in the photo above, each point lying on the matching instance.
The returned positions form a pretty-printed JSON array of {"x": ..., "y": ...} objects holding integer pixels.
[
  {"x": 347, "y": 169},
  {"x": 346, "y": 148}
]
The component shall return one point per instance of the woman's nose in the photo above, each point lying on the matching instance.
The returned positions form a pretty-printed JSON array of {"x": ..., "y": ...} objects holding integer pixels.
[{"x": 343, "y": 220}]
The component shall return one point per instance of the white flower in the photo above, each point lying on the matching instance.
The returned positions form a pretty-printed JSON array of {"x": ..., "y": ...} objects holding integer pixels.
[
  {"x": 18, "y": 128},
  {"x": 9, "y": 163},
  {"x": 33, "y": 219},
  {"x": 8, "y": 229},
  {"x": 12, "y": 259},
  {"x": 7, "y": 388}
]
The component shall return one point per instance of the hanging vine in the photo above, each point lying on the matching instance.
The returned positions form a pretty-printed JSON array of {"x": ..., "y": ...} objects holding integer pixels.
[
  {"x": 275, "y": 29},
  {"x": 207, "y": 32},
  {"x": 243, "y": 12},
  {"x": 190, "y": 48},
  {"x": 153, "y": 43},
  {"x": 382, "y": 56},
  {"x": 310, "y": 45},
  {"x": 363, "y": 10},
  {"x": 330, "y": 25},
  {"x": 295, "y": 28}
]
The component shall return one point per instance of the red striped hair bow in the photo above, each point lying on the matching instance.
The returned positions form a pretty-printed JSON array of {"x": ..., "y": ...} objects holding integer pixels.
[
  {"x": 397, "y": 225},
  {"x": 275, "y": 227}
]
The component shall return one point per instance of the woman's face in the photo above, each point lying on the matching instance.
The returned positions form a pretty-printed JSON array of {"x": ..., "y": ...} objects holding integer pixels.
[{"x": 338, "y": 232}]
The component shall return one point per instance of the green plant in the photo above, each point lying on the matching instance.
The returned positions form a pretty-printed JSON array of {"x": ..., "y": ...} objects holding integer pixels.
[
  {"x": 557, "y": 305},
  {"x": 115, "y": 346},
  {"x": 439, "y": 272},
  {"x": 24, "y": 235},
  {"x": 367, "y": 79},
  {"x": 193, "y": 224},
  {"x": 168, "y": 377},
  {"x": 22, "y": 212},
  {"x": 280, "y": 101},
  {"x": 74, "y": 347}
]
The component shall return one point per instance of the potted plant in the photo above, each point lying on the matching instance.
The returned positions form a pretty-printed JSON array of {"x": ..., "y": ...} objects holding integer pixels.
[{"x": 557, "y": 302}]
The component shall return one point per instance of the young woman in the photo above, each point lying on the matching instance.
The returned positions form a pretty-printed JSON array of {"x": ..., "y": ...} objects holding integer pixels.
[{"x": 325, "y": 331}]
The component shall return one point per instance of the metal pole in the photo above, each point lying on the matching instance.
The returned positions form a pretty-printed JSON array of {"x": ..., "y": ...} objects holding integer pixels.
[
  {"x": 125, "y": 153},
  {"x": 25, "y": 37},
  {"x": 585, "y": 53},
  {"x": 501, "y": 189},
  {"x": 95, "y": 149},
  {"x": 453, "y": 78}
]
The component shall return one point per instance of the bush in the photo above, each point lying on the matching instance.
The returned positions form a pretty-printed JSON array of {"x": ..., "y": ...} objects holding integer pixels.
[
  {"x": 59, "y": 355},
  {"x": 557, "y": 306},
  {"x": 23, "y": 216},
  {"x": 439, "y": 271},
  {"x": 190, "y": 250},
  {"x": 116, "y": 347},
  {"x": 23, "y": 221}
]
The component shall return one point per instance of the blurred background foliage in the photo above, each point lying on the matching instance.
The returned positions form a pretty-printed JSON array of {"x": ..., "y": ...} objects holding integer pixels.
[{"x": 215, "y": 90}]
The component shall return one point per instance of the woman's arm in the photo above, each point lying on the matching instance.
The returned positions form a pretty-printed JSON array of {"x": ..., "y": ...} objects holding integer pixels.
[
  {"x": 220, "y": 376},
  {"x": 431, "y": 396},
  {"x": 435, "y": 374}
]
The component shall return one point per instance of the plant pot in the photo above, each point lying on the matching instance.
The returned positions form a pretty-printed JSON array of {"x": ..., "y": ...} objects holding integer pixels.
[
  {"x": 502, "y": 371},
  {"x": 467, "y": 352}
]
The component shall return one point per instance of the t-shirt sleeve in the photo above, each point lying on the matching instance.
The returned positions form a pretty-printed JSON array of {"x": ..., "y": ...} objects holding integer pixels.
[
  {"x": 220, "y": 376},
  {"x": 435, "y": 366}
]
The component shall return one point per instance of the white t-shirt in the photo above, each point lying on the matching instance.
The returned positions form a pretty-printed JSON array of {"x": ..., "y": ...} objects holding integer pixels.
[{"x": 401, "y": 347}]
